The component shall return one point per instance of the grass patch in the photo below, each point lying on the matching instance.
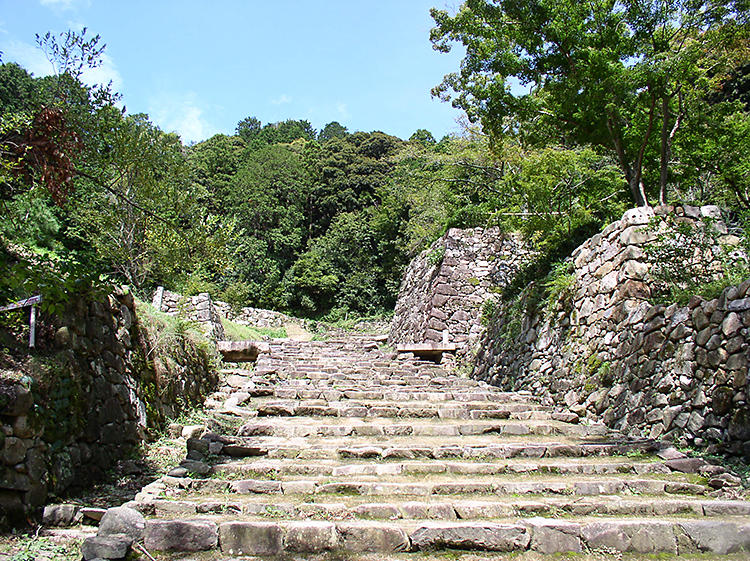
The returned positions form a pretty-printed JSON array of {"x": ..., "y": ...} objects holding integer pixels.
[
  {"x": 34, "y": 548},
  {"x": 239, "y": 332}
]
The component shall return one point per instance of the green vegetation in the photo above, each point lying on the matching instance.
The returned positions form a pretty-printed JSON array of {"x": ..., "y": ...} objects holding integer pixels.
[
  {"x": 238, "y": 332},
  {"x": 627, "y": 103},
  {"x": 559, "y": 286},
  {"x": 692, "y": 259},
  {"x": 35, "y": 548}
]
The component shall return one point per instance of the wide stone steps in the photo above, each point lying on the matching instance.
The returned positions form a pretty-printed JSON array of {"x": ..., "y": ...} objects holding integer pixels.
[
  {"x": 358, "y": 447},
  {"x": 545, "y": 535},
  {"x": 297, "y": 427},
  {"x": 349, "y": 508},
  {"x": 588, "y": 466},
  {"x": 338, "y": 447},
  {"x": 378, "y": 408},
  {"x": 423, "y": 487},
  {"x": 366, "y": 381}
]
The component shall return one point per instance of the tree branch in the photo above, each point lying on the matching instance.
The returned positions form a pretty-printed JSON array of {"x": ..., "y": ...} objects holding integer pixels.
[{"x": 128, "y": 200}]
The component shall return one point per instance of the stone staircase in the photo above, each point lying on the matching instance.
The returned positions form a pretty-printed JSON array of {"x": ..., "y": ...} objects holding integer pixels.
[{"x": 338, "y": 446}]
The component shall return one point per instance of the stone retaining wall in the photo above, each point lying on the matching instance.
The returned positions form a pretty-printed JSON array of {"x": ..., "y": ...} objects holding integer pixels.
[
  {"x": 199, "y": 308},
  {"x": 441, "y": 295},
  {"x": 255, "y": 317},
  {"x": 607, "y": 353},
  {"x": 74, "y": 411}
]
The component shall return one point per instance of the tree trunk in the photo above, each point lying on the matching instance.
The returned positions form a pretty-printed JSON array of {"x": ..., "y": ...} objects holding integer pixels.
[
  {"x": 664, "y": 151},
  {"x": 637, "y": 188},
  {"x": 633, "y": 177}
]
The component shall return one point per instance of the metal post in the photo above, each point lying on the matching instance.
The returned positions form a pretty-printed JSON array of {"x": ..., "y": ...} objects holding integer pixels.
[{"x": 32, "y": 328}]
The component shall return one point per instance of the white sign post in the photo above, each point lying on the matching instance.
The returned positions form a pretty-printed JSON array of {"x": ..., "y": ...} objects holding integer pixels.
[{"x": 32, "y": 302}]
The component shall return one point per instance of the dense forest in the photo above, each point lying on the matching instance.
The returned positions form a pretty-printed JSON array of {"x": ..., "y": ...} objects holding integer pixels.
[{"x": 574, "y": 112}]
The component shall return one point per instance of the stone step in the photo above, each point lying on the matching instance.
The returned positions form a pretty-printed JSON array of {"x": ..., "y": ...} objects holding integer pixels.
[
  {"x": 404, "y": 448},
  {"x": 377, "y": 393},
  {"x": 356, "y": 507},
  {"x": 377, "y": 408},
  {"x": 543, "y": 535},
  {"x": 341, "y": 377},
  {"x": 283, "y": 468},
  {"x": 302, "y": 427},
  {"x": 423, "y": 486}
]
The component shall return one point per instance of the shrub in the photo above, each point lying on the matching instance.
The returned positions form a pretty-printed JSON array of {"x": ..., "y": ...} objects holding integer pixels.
[{"x": 692, "y": 258}]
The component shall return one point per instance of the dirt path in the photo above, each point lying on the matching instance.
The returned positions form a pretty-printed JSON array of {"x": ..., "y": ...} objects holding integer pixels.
[{"x": 297, "y": 333}]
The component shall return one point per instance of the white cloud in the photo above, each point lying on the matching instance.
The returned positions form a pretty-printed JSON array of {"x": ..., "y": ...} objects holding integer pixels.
[
  {"x": 27, "y": 55},
  {"x": 182, "y": 115},
  {"x": 103, "y": 74},
  {"x": 283, "y": 99}
]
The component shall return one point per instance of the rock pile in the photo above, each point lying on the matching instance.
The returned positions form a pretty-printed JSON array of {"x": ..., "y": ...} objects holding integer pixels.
[{"x": 199, "y": 308}]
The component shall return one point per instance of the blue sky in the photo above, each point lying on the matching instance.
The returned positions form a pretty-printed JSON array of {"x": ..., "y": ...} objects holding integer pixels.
[{"x": 199, "y": 67}]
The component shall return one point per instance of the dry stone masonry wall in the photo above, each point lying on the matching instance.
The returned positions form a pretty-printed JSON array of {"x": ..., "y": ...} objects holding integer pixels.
[
  {"x": 88, "y": 404},
  {"x": 255, "y": 317},
  {"x": 200, "y": 309},
  {"x": 443, "y": 289},
  {"x": 608, "y": 353}
]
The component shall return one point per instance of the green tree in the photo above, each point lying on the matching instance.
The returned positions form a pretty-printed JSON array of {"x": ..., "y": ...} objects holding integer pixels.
[
  {"x": 154, "y": 230},
  {"x": 213, "y": 164},
  {"x": 334, "y": 129},
  {"x": 248, "y": 128},
  {"x": 269, "y": 194},
  {"x": 346, "y": 172},
  {"x": 610, "y": 74},
  {"x": 422, "y": 136}
]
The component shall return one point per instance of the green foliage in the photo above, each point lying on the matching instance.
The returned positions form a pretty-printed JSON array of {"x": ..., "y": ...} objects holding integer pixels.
[
  {"x": 284, "y": 132},
  {"x": 620, "y": 76},
  {"x": 237, "y": 294},
  {"x": 691, "y": 258},
  {"x": 436, "y": 256},
  {"x": 34, "y": 548},
  {"x": 423, "y": 137},
  {"x": 323, "y": 225},
  {"x": 168, "y": 341},
  {"x": 540, "y": 265},
  {"x": 238, "y": 332},
  {"x": 334, "y": 129},
  {"x": 490, "y": 309},
  {"x": 559, "y": 286}
]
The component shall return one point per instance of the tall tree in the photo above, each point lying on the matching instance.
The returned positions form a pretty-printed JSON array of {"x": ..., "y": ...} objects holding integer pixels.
[
  {"x": 334, "y": 129},
  {"x": 608, "y": 73}
]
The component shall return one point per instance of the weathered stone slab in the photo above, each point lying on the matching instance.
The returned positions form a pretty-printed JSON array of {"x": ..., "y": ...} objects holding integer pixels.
[
  {"x": 555, "y": 536},
  {"x": 310, "y": 537},
  {"x": 250, "y": 538},
  {"x": 123, "y": 520},
  {"x": 242, "y": 351},
  {"x": 717, "y": 536},
  {"x": 106, "y": 547},
  {"x": 631, "y": 536},
  {"x": 180, "y": 535},
  {"x": 363, "y": 537},
  {"x": 247, "y": 486},
  {"x": 479, "y": 536},
  {"x": 59, "y": 515}
]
